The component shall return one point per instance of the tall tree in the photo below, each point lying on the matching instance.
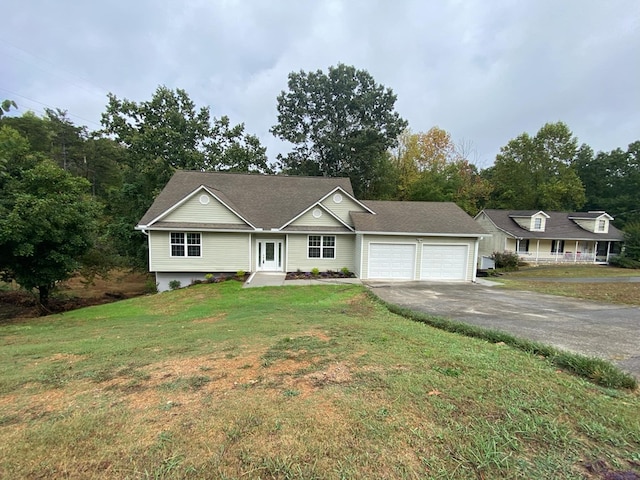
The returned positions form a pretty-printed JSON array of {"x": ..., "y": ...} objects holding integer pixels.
[
  {"x": 47, "y": 220},
  {"x": 341, "y": 123},
  {"x": 612, "y": 181},
  {"x": 537, "y": 172},
  {"x": 431, "y": 167},
  {"x": 169, "y": 128},
  {"x": 166, "y": 133}
]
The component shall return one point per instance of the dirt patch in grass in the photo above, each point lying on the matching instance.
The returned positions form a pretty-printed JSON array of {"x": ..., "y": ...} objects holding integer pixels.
[{"x": 214, "y": 319}]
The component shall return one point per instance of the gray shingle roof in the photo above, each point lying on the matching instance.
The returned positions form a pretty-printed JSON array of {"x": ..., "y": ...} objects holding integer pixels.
[
  {"x": 270, "y": 201},
  {"x": 266, "y": 201},
  {"x": 559, "y": 226},
  {"x": 416, "y": 218}
]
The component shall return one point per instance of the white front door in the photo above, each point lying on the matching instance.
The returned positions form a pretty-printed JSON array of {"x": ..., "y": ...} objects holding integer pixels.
[{"x": 270, "y": 255}]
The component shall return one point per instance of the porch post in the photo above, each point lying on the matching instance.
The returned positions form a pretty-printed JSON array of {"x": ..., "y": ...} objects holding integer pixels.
[
  {"x": 608, "y": 250},
  {"x": 575, "y": 253},
  {"x": 537, "y": 249},
  {"x": 595, "y": 252}
]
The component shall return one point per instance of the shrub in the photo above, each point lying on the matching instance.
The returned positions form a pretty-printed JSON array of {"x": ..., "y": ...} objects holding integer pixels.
[
  {"x": 345, "y": 271},
  {"x": 209, "y": 277},
  {"x": 174, "y": 284},
  {"x": 622, "y": 261},
  {"x": 315, "y": 272},
  {"x": 506, "y": 260}
]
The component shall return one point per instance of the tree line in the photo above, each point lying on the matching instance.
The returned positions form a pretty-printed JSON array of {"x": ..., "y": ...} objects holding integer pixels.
[{"x": 70, "y": 197}]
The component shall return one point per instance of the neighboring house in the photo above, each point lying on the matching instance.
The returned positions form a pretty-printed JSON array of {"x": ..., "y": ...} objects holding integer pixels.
[
  {"x": 223, "y": 222},
  {"x": 542, "y": 237}
]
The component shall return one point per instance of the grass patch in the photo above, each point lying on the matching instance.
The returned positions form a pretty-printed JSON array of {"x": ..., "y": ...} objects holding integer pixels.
[
  {"x": 622, "y": 293},
  {"x": 572, "y": 271},
  {"x": 599, "y": 371},
  {"x": 305, "y": 382}
]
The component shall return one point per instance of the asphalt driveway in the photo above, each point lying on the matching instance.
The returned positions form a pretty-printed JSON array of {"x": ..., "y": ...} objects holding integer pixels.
[{"x": 596, "y": 329}]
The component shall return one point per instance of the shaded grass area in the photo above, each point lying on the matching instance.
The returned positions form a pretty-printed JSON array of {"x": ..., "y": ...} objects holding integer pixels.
[{"x": 216, "y": 381}]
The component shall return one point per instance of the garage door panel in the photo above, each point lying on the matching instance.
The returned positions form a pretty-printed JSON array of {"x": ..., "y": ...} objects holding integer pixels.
[
  {"x": 392, "y": 261},
  {"x": 444, "y": 262}
]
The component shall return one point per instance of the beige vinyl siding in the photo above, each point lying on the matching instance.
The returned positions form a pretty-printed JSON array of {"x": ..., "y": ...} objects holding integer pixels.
[
  {"x": 194, "y": 211},
  {"x": 411, "y": 240},
  {"x": 493, "y": 243},
  {"x": 343, "y": 208},
  {"x": 221, "y": 252},
  {"x": 297, "y": 254},
  {"x": 325, "y": 220},
  {"x": 592, "y": 225}
]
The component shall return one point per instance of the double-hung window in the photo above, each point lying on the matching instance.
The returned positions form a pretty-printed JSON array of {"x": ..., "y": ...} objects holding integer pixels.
[
  {"x": 185, "y": 244},
  {"x": 322, "y": 246},
  {"x": 602, "y": 225}
]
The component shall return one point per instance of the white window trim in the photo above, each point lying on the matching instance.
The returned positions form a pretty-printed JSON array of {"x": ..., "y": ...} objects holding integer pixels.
[
  {"x": 185, "y": 245},
  {"x": 601, "y": 226},
  {"x": 322, "y": 247},
  {"x": 538, "y": 228}
]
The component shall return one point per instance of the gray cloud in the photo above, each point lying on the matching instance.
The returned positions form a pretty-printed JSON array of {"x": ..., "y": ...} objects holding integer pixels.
[{"x": 485, "y": 71}]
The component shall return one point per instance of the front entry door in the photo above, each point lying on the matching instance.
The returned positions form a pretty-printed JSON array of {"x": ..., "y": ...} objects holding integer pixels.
[{"x": 270, "y": 255}]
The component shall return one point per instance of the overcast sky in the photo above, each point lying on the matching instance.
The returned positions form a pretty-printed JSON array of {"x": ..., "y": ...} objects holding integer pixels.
[{"x": 484, "y": 70}]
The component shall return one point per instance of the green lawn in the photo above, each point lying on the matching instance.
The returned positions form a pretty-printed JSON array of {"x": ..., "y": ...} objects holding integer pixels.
[
  {"x": 215, "y": 381},
  {"x": 573, "y": 271},
  {"x": 535, "y": 279}
]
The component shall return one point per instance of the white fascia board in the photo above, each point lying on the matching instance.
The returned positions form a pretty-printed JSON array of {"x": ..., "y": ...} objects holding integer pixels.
[
  {"x": 178, "y": 228},
  {"x": 511, "y": 215},
  {"x": 422, "y": 234},
  {"x": 190, "y": 196},
  {"x": 317, "y": 205},
  {"x": 350, "y": 196}
]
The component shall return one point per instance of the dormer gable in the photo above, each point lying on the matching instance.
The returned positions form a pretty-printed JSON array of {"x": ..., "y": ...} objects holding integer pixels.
[
  {"x": 592, "y": 221},
  {"x": 532, "y": 220}
]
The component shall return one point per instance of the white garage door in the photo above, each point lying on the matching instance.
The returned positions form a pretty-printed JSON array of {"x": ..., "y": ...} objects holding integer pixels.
[
  {"x": 392, "y": 261},
  {"x": 444, "y": 262}
]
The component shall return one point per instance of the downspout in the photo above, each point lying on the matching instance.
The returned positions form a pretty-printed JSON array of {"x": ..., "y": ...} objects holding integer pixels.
[{"x": 475, "y": 260}]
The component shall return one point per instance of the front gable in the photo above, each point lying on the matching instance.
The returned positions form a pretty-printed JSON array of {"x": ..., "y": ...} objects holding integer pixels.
[
  {"x": 341, "y": 204},
  {"x": 202, "y": 206},
  {"x": 318, "y": 216}
]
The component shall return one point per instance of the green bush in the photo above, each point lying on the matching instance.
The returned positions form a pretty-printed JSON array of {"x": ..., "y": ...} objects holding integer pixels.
[
  {"x": 506, "y": 260},
  {"x": 622, "y": 261},
  {"x": 315, "y": 272},
  {"x": 174, "y": 284}
]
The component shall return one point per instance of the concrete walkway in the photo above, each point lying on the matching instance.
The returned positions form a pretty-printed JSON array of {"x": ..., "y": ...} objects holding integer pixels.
[{"x": 277, "y": 279}]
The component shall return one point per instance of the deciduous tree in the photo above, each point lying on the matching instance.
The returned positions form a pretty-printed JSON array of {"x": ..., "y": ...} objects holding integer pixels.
[
  {"x": 341, "y": 123},
  {"x": 612, "y": 181},
  {"x": 537, "y": 172},
  {"x": 430, "y": 167},
  {"x": 47, "y": 219}
]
